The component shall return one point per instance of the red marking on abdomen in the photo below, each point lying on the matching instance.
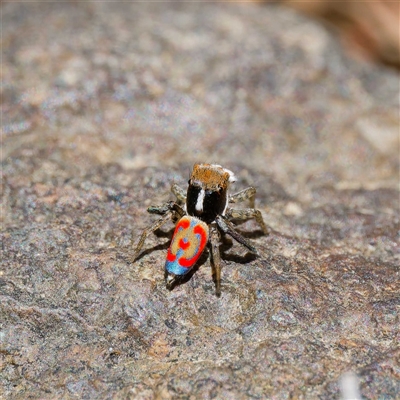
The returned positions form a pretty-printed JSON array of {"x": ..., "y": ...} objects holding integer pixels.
[
  {"x": 184, "y": 262},
  {"x": 182, "y": 224},
  {"x": 183, "y": 245},
  {"x": 187, "y": 263},
  {"x": 170, "y": 257}
]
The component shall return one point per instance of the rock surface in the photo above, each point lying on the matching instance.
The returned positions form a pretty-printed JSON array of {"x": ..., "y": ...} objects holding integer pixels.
[{"x": 104, "y": 106}]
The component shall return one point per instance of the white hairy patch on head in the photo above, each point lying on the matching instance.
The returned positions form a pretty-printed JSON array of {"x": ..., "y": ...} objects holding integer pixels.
[
  {"x": 232, "y": 177},
  {"x": 200, "y": 200}
]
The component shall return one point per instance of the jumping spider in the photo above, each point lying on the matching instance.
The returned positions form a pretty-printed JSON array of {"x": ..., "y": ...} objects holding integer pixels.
[{"x": 204, "y": 215}]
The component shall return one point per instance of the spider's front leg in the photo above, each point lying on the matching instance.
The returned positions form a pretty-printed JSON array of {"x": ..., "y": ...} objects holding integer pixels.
[
  {"x": 247, "y": 213},
  {"x": 179, "y": 193},
  {"x": 167, "y": 210},
  {"x": 215, "y": 259},
  {"x": 245, "y": 194}
]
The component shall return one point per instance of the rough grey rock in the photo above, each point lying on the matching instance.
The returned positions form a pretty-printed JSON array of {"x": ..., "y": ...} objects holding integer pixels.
[{"x": 104, "y": 106}]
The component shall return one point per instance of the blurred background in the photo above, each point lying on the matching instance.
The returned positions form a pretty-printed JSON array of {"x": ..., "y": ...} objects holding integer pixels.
[{"x": 369, "y": 30}]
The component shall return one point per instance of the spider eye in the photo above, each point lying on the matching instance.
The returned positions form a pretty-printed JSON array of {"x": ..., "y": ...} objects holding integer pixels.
[{"x": 189, "y": 182}]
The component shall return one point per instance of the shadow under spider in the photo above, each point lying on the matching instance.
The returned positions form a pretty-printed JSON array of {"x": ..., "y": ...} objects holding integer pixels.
[
  {"x": 163, "y": 233},
  {"x": 245, "y": 259},
  {"x": 226, "y": 245},
  {"x": 253, "y": 234}
]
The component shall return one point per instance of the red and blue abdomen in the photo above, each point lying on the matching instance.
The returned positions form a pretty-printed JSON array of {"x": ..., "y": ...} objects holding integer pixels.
[{"x": 187, "y": 245}]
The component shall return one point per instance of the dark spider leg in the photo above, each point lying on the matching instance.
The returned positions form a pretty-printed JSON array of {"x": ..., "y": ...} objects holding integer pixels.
[
  {"x": 227, "y": 227},
  {"x": 169, "y": 206},
  {"x": 215, "y": 259},
  {"x": 179, "y": 193},
  {"x": 167, "y": 210},
  {"x": 247, "y": 213},
  {"x": 245, "y": 194}
]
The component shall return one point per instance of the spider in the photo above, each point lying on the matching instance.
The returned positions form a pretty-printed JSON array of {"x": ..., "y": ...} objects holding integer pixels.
[{"x": 204, "y": 214}]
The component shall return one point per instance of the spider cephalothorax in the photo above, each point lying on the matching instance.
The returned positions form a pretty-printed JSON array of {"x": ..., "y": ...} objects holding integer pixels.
[
  {"x": 205, "y": 214},
  {"x": 207, "y": 194}
]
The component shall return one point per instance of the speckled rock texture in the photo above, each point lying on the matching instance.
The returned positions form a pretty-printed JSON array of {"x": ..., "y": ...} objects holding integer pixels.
[{"x": 105, "y": 105}]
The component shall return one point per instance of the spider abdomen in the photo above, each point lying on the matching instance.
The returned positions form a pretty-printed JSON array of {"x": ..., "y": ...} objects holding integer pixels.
[{"x": 188, "y": 243}]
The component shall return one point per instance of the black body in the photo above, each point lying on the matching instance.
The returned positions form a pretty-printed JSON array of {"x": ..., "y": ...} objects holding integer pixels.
[{"x": 214, "y": 203}]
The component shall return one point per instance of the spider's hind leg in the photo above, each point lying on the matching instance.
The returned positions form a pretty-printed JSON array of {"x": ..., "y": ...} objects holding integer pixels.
[
  {"x": 215, "y": 259},
  {"x": 227, "y": 227},
  {"x": 168, "y": 210}
]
